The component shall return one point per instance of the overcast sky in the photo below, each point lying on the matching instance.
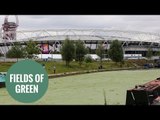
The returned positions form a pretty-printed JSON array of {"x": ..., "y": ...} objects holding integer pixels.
[{"x": 146, "y": 23}]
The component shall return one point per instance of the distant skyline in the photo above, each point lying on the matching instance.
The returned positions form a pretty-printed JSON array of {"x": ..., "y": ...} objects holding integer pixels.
[{"x": 145, "y": 23}]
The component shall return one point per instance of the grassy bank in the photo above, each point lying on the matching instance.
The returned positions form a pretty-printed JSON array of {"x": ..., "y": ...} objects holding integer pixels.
[
  {"x": 4, "y": 66},
  {"x": 74, "y": 66}
]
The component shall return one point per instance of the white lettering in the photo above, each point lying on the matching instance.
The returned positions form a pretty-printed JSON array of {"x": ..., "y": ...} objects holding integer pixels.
[
  {"x": 26, "y": 88},
  {"x": 39, "y": 78},
  {"x": 30, "y": 78},
  {"x": 11, "y": 78}
]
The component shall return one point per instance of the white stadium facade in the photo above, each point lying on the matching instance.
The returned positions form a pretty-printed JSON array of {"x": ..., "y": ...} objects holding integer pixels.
[{"x": 133, "y": 42}]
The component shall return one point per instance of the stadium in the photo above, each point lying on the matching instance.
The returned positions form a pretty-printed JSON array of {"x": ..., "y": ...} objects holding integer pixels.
[
  {"x": 50, "y": 40},
  {"x": 133, "y": 42}
]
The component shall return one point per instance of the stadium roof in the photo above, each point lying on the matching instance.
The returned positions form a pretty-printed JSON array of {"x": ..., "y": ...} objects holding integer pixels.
[{"x": 85, "y": 34}]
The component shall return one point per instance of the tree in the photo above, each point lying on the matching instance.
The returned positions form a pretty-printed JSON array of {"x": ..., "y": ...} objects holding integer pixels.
[
  {"x": 68, "y": 51},
  {"x": 31, "y": 49},
  {"x": 158, "y": 54},
  {"x": 100, "y": 52},
  {"x": 1, "y": 54},
  {"x": 80, "y": 51},
  {"x": 149, "y": 53},
  {"x": 17, "y": 51},
  {"x": 116, "y": 51}
]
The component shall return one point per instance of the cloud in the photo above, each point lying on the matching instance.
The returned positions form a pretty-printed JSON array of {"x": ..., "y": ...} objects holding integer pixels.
[{"x": 146, "y": 23}]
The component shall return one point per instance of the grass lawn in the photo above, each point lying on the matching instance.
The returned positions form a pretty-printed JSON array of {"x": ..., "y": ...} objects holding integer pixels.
[
  {"x": 4, "y": 66},
  {"x": 74, "y": 66},
  {"x": 87, "y": 89}
]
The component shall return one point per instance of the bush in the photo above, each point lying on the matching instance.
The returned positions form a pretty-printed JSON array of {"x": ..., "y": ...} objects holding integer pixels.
[
  {"x": 88, "y": 59},
  {"x": 139, "y": 62},
  {"x": 1, "y": 55}
]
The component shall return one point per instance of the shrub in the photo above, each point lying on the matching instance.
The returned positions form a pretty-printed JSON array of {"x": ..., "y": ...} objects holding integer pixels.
[{"x": 88, "y": 59}]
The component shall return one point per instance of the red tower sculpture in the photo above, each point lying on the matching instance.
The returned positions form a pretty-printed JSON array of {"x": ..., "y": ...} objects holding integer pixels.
[{"x": 9, "y": 29}]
